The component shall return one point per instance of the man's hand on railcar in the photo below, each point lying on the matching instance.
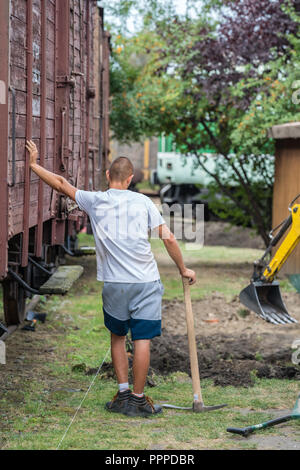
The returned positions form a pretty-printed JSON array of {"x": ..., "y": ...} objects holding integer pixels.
[
  {"x": 33, "y": 151},
  {"x": 57, "y": 182}
]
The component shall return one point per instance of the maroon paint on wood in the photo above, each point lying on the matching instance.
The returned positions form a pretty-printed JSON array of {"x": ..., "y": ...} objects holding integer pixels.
[
  {"x": 53, "y": 73},
  {"x": 48, "y": 63},
  {"x": 29, "y": 67},
  {"x": 4, "y": 51},
  {"x": 62, "y": 83},
  {"x": 106, "y": 52},
  {"x": 62, "y": 96},
  {"x": 87, "y": 135},
  {"x": 60, "y": 232},
  {"x": 39, "y": 234}
]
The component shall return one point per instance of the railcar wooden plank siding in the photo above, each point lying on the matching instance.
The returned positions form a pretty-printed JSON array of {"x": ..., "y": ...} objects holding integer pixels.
[{"x": 48, "y": 76}]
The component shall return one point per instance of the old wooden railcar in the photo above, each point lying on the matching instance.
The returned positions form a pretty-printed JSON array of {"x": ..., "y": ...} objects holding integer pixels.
[{"x": 54, "y": 73}]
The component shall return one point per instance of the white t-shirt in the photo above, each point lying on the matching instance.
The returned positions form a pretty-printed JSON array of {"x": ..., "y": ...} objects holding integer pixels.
[{"x": 121, "y": 220}]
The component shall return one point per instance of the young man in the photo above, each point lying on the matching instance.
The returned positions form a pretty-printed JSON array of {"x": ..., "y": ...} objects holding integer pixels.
[{"x": 132, "y": 292}]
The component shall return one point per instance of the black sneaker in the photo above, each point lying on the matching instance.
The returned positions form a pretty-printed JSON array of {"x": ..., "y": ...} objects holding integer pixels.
[
  {"x": 119, "y": 402},
  {"x": 141, "y": 406}
]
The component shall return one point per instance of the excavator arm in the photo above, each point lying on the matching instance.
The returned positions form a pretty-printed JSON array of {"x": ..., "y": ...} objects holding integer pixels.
[
  {"x": 263, "y": 294},
  {"x": 286, "y": 248}
]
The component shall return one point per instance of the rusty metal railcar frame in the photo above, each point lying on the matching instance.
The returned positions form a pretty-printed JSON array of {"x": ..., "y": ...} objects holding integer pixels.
[{"x": 41, "y": 83}]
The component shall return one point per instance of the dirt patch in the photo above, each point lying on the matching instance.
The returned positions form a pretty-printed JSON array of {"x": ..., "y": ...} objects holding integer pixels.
[
  {"x": 226, "y": 359},
  {"x": 229, "y": 316},
  {"x": 287, "y": 440},
  {"x": 232, "y": 350},
  {"x": 225, "y": 234},
  {"x": 28, "y": 357}
]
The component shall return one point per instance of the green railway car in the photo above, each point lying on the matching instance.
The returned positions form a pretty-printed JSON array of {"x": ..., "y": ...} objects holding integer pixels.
[{"x": 183, "y": 181}]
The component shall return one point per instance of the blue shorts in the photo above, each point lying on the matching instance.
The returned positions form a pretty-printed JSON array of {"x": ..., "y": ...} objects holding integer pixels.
[{"x": 135, "y": 307}]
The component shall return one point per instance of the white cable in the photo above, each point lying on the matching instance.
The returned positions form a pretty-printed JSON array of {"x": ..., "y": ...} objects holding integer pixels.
[{"x": 91, "y": 384}]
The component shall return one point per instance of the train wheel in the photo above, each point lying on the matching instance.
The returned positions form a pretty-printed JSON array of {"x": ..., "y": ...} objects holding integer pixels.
[{"x": 13, "y": 302}]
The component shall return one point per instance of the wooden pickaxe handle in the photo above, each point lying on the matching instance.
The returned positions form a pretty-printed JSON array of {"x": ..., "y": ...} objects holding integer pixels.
[{"x": 192, "y": 342}]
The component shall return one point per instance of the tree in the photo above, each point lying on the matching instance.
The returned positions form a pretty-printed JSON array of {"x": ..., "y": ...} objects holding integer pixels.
[{"x": 219, "y": 84}]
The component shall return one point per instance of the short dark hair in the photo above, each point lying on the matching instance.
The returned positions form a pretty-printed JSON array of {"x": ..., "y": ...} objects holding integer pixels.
[{"x": 120, "y": 169}]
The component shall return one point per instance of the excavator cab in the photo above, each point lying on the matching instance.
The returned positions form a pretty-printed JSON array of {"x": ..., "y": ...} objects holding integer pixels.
[{"x": 263, "y": 296}]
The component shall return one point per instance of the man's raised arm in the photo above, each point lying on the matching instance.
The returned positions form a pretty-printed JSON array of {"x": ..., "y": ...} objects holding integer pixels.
[{"x": 57, "y": 182}]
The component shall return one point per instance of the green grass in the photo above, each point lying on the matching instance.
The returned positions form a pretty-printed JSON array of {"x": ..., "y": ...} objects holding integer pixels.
[
  {"x": 146, "y": 186},
  {"x": 46, "y": 409},
  {"x": 85, "y": 240},
  {"x": 40, "y": 421},
  {"x": 41, "y": 418},
  {"x": 204, "y": 288},
  {"x": 212, "y": 254},
  {"x": 37, "y": 407}
]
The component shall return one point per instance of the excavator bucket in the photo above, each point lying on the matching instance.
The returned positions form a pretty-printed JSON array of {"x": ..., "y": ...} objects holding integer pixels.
[{"x": 265, "y": 300}]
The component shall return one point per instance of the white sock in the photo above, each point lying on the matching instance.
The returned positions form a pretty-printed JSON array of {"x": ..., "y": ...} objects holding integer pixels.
[
  {"x": 138, "y": 394},
  {"x": 123, "y": 387}
]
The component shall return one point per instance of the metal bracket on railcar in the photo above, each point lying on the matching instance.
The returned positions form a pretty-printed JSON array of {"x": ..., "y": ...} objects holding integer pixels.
[
  {"x": 69, "y": 209},
  {"x": 39, "y": 266},
  {"x": 3, "y": 329},
  {"x": 59, "y": 282},
  {"x": 64, "y": 81},
  {"x": 83, "y": 251},
  {"x": 24, "y": 284},
  {"x": 70, "y": 205}
]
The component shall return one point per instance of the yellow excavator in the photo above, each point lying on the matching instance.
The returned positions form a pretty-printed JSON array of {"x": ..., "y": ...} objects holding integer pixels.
[{"x": 263, "y": 295}]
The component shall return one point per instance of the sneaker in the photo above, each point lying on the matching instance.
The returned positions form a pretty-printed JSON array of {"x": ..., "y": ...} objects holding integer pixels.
[
  {"x": 141, "y": 406},
  {"x": 119, "y": 402}
]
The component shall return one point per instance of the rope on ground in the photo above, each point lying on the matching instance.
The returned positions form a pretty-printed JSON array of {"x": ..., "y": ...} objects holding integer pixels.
[{"x": 81, "y": 403}]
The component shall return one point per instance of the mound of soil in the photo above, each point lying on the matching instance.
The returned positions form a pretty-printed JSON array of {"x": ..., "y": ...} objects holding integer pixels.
[
  {"x": 226, "y": 359},
  {"x": 230, "y": 317},
  {"x": 225, "y": 234},
  {"x": 231, "y": 350}
]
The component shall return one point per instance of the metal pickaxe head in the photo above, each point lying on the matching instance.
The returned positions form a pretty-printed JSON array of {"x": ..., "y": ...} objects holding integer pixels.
[{"x": 199, "y": 407}]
